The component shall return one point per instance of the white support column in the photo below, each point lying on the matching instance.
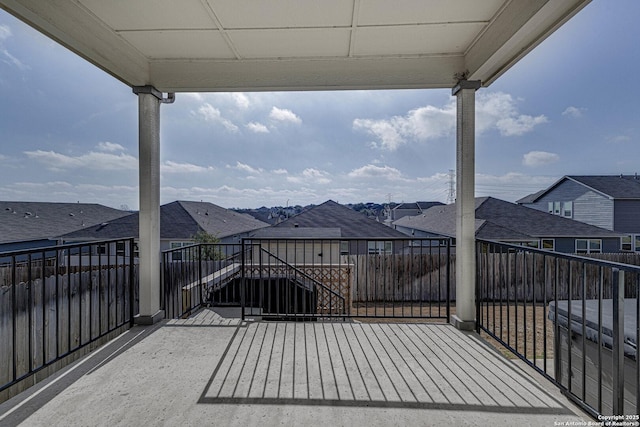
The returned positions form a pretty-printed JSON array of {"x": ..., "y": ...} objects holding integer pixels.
[
  {"x": 465, "y": 316},
  {"x": 149, "y": 100}
]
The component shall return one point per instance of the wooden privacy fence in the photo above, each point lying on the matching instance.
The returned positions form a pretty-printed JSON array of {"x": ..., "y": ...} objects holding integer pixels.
[
  {"x": 50, "y": 315},
  {"x": 534, "y": 276},
  {"x": 402, "y": 277}
]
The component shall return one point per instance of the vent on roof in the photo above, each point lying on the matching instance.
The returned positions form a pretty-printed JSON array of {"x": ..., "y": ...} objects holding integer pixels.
[{"x": 71, "y": 214}]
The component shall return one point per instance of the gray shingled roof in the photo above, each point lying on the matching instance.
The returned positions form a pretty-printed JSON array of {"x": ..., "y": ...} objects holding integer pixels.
[
  {"x": 333, "y": 215},
  {"x": 297, "y": 232},
  {"x": 28, "y": 221},
  {"x": 178, "y": 220},
  {"x": 614, "y": 186},
  {"x": 500, "y": 220}
]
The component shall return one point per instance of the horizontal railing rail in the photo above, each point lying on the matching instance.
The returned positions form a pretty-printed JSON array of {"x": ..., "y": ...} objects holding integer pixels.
[
  {"x": 572, "y": 318},
  {"x": 58, "y": 301},
  {"x": 314, "y": 278}
]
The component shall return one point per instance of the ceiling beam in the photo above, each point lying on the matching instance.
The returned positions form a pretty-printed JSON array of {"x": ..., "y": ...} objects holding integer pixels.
[{"x": 518, "y": 28}]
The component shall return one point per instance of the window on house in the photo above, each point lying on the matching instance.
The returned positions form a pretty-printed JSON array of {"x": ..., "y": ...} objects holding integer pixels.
[
  {"x": 101, "y": 249},
  {"x": 625, "y": 243},
  {"x": 344, "y": 247},
  {"x": 588, "y": 246},
  {"x": 561, "y": 208},
  {"x": 379, "y": 247},
  {"x": 120, "y": 249},
  {"x": 637, "y": 244},
  {"x": 549, "y": 244},
  {"x": 528, "y": 243},
  {"x": 180, "y": 255}
]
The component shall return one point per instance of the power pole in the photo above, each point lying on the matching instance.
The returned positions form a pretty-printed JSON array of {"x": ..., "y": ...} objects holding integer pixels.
[{"x": 451, "y": 197}]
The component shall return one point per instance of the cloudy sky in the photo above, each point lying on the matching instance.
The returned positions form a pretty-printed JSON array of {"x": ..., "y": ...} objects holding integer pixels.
[{"x": 69, "y": 131}]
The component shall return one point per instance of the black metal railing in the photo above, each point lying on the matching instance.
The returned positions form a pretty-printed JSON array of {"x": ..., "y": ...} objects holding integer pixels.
[
  {"x": 57, "y": 300},
  {"x": 197, "y": 274},
  {"x": 313, "y": 278},
  {"x": 572, "y": 318}
]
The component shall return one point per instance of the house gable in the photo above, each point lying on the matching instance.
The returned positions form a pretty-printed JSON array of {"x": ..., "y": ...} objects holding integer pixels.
[{"x": 351, "y": 223}]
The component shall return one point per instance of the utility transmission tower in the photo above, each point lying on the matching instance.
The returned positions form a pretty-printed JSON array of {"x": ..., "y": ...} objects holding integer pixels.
[{"x": 451, "y": 197}]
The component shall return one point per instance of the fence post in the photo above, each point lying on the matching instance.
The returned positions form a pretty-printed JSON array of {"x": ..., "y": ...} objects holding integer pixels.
[{"x": 618, "y": 341}]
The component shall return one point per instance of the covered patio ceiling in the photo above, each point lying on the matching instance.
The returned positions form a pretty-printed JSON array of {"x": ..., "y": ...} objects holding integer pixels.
[{"x": 244, "y": 45}]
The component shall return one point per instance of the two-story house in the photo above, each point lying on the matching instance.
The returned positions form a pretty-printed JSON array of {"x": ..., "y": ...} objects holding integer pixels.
[
  {"x": 607, "y": 201},
  {"x": 507, "y": 222}
]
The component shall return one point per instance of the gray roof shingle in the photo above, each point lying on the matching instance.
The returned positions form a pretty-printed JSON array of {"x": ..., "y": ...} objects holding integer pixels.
[
  {"x": 28, "y": 221},
  {"x": 178, "y": 220},
  {"x": 333, "y": 215},
  {"x": 614, "y": 186},
  {"x": 500, "y": 220}
]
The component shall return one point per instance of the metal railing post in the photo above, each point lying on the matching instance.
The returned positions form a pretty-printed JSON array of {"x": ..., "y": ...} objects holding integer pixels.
[
  {"x": 618, "y": 341},
  {"x": 200, "y": 274},
  {"x": 448, "y": 279},
  {"x": 243, "y": 279},
  {"x": 132, "y": 281}
]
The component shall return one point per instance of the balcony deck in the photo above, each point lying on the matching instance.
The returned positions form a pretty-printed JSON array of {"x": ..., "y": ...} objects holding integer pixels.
[{"x": 214, "y": 370}]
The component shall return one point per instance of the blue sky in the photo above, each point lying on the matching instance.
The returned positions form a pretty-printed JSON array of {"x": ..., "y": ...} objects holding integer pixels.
[{"x": 69, "y": 130}]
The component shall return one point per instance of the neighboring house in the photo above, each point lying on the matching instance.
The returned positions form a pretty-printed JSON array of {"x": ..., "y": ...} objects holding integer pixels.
[
  {"x": 180, "y": 221},
  {"x": 27, "y": 225},
  {"x": 411, "y": 209},
  {"x": 606, "y": 201},
  {"x": 511, "y": 223},
  {"x": 361, "y": 234}
]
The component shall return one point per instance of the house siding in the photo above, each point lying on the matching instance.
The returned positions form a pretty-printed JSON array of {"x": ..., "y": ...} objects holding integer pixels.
[
  {"x": 565, "y": 245},
  {"x": 588, "y": 206},
  {"x": 627, "y": 216}
]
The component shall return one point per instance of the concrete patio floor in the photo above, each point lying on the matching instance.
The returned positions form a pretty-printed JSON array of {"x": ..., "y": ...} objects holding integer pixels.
[{"x": 210, "y": 370}]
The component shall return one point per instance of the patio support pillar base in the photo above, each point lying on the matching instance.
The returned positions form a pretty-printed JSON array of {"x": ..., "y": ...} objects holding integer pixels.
[
  {"x": 465, "y": 316},
  {"x": 463, "y": 325},
  {"x": 149, "y": 100}
]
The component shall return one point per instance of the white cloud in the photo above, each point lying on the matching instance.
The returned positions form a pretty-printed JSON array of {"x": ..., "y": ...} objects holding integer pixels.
[
  {"x": 257, "y": 127},
  {"x": 498, "y": 110},
  {"x": 619, "y": 138},
  {"x": 5, "y": 55},
  {"x": 246, "y": 168},
  {"x": 5, "y": 32},
  {"x": 62, "y": 191},
  {"x": 377, "y": 172},
  {"x": 389, "y": 136},
  {"x": 280, "y": 171},
  {"x": 539, "y": 158},
  {"x": 110, "y": 146},
  {"x": 175, "y": 167},
  {"x": 311, "y": 176},
  {"x": 211, "y": 114},
  {"x": 92, "y": 160},
  {"x": 574, "y": 112},
  {"x": 241, "y": 100},
  {"x": 284, "y": 115},
  {"x": 493, "y": 111}
]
